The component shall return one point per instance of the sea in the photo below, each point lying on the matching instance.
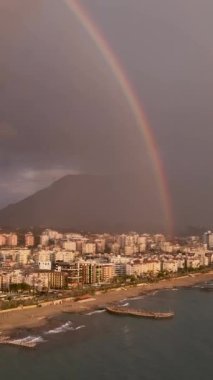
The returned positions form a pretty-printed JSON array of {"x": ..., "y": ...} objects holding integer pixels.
[{"x": 98, "y": 345}]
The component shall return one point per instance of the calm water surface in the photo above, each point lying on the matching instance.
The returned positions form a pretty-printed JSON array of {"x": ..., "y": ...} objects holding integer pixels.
[{"x": 112, "y": 347}]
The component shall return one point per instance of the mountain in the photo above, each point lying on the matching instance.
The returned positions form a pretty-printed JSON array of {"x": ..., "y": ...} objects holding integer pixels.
[{"x": 90, "y": 203}]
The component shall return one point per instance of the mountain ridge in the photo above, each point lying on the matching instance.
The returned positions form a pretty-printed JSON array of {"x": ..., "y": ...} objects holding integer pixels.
[{"x": 86, "y": 202}]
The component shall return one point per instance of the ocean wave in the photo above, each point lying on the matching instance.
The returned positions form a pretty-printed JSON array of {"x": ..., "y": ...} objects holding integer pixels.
[
  {"x": 63, "y": 328},
  {"x": 154, "y": 293},
  {"x": 136, "y": 298},
  {"x": 38, "y": 339},
  {"x": 80, "y": 327},
  {"x": 126, "y": 304},
  {"x": 29, "y": 339},
  {"x": 96, "y": 312}
]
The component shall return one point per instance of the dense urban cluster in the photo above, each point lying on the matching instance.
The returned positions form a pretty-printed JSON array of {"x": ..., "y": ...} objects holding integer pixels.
[{"x": 70, "y": 260}]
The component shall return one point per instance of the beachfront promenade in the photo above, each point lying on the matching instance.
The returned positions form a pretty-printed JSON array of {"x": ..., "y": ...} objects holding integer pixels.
[{"x": 33, "y": 316}]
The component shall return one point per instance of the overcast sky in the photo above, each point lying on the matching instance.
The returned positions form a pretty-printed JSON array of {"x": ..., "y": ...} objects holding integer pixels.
[{"x": 61, "y": 110}]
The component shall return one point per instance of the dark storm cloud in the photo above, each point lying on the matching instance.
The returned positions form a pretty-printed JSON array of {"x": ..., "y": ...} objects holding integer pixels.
[
  {"x": 167, "y": 49},
  {"x": 62, "y": 111},
  {"x": 61, "y": 102},
  {"x": 7, "y": 132}
]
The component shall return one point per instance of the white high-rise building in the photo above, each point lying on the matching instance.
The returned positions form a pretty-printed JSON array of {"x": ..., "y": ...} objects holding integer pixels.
[
  {"x": 69, "y": 245},
  {"x": 208, "y": 239},
  {"x": 89, "y": 248}
]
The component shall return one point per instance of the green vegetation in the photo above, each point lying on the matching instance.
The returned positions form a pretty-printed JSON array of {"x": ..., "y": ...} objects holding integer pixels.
[{"x": 20, "y": 288}]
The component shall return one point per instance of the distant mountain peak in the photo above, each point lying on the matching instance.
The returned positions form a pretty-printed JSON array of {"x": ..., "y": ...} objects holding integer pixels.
[{"x": 87, "y": 202}]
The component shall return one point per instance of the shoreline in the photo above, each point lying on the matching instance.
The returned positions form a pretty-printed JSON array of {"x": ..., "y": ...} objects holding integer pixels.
[{"x": 38, "y": 317}]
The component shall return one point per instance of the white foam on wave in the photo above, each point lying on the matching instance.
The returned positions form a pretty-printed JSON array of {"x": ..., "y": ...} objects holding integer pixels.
[
  {"x": 126, "y": 304},
  {"x": 154, "y": 293},
  {"x": 29, "y": 339},
  {"x": 80, "y": 327},
  {"x": 63, "y": 328},
  {"x": 136, "y": 298},
  {"x": 96, "y": 312},
  {"x": 38, "y": 339}
]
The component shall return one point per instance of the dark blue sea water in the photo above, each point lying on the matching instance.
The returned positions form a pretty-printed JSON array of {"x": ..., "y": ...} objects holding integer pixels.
[{"x": 122, "y": 348}]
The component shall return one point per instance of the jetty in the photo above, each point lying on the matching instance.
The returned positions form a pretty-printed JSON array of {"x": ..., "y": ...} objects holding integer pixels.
[
  {"x": 119, "y": 310},
  {"x": 17, "y": 342}
]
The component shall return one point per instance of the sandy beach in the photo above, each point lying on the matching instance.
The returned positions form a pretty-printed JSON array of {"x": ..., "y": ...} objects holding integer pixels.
[{"x": 39, "y": 316}]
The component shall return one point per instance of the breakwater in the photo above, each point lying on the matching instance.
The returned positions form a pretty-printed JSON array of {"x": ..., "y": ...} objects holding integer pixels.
[{"x": 119, "y": 310}]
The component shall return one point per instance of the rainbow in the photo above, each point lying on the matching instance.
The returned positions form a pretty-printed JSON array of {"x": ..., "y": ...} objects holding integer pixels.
[{"x": 119, "y": 73}]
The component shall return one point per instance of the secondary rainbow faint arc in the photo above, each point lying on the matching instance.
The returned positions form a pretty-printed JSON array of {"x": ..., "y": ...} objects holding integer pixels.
[{"x": 118, "y": 71}]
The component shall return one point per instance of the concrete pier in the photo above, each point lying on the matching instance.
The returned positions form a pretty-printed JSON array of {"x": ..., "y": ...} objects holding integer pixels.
[{"x": 139, "y": 313}]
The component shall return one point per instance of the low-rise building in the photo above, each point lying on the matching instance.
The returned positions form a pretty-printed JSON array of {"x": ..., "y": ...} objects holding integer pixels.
[
  {"x": 193, "y": 263},
  {"x": 170, "y": 266},
  {"x": 45, "y": 265}
]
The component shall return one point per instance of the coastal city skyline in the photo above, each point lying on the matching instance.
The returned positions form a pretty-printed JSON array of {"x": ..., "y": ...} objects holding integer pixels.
[
  {"x": 64, "y": 260},
  {"x": 50, "y": 271}
]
